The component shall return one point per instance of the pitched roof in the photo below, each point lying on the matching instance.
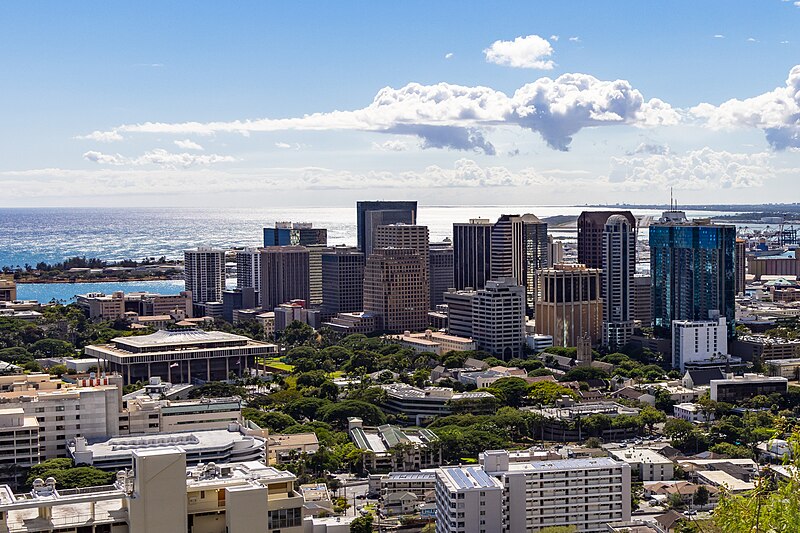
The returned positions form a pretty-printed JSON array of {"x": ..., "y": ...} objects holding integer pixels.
[
  {"x": 704, "y": 376},
  {"x": 668, "y": 519}
]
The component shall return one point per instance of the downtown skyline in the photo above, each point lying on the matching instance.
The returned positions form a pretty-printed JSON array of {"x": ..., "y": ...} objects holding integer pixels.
[{"x": 272, "y": 104}]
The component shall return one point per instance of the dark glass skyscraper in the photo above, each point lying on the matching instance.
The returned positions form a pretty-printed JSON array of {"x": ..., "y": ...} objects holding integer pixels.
[
  {"x": 370, "y": 215},
  {"x": 693, "y": 270},
  {"x": 294, "y": 234},
  {"x": 472, "y": 253}
]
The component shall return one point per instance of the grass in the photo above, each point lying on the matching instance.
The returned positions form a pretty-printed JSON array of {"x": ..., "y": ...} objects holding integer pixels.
[{"x": 277, "y": 364}]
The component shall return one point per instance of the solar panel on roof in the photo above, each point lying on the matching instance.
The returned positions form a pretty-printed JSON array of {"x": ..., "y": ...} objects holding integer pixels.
[
  {"x": 481, "y": 477},
  {"x": 460, "y": 478}
]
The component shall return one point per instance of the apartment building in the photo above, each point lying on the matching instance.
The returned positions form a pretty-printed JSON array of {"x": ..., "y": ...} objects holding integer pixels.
[
  {"x": 19, "y": 443},
  {"x": 498, "y": 318},
  {"x": 645, "y": 464},
  {"x": 159, "y": 494},
  {"x": 386, "y": 448}
]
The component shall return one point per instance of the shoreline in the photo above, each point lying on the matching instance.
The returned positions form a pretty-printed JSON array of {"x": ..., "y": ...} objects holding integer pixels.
[{"x": 70, "y": 281}]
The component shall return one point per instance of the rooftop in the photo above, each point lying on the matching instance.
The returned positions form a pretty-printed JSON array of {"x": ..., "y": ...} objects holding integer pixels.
[
  {"x": 565, "y": 464},
  {"x": 468, "y": 477}
]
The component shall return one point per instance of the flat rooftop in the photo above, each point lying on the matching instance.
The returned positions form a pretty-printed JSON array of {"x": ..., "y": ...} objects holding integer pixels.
[
  {"x": 468, "y": 477},
  {"x": 565, "y": 464}
]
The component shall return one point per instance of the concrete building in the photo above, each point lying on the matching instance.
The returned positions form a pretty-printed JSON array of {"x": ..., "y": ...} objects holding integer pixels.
[
  {"x": 498, "y": 318},
  {"x": 8, "y": 289},
  {"x": 418, "y": 405},
  {"x": 642, "y": 300},
  {"x": 783, "y": 264},
  {"x": 646, "y": 464},
  {"x": 315, "y": 253},
  {"x": 501, "y": 495},
  {"x": 248, "y": 270},
  {"x": 284, "y": 275},
  {"x": 349, "y": 323},
  {"x": 459, "y": 312},
  {"x": 785, "y": 368},
  {"x": 421, "y": 484},
  {"x": 159, "y": 494},
  {"x": 472, "y": 253},
  {"x": 433, "y": 342},
  {"x": 440, "y": 270},
  {"x": 409, "y": 237},
  {"x": 734, "y": 388},
  {"x": 101, "y": 306},
  {"x": 284, "y": 448},
  {"x": 569, "y": 304},
  {"x": 181, "y": 356},
  {"x": 342, "y": 281},
  {"x": 555, "y": 254},
  {"x": 294, "y": 234},
  {"x": 692, "y": 265},
  {"x": 697, "y": 343},
  {"x": 289, "y": 312},
  {"x": 763, "y": 348},
  {"x": 370, "y": 215},
  {"x": 591, "y": 226},
  {"x": 235, "y": 299},
  {"x": 740, "y": 253},
  {"x": 204, "y": 274},
  {"x": 395, "y": 289},
  {"x": 691, "y": 412},
  {"x": 151, "y": 304},
  {"x": 19, "y": 444},
  {"x": 619, "y": 266},
  {"x": 386, "y": 448}
]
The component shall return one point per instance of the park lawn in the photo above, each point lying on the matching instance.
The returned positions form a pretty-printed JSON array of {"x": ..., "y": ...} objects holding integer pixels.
[{"x": 277, "y": 364}]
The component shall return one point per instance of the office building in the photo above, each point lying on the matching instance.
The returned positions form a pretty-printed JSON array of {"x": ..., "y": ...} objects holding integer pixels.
[
  {"x": 433, "y": 342},
  {"x": 294, "y": 234},
  {"x": 101, "y": 306},
  {"x": 555, "y": 252},
  {"x": 472, "y": 253},
  {"x": 619, "y": 266},
  {"x": 315, "y": 253},
  {"x": 787, "y": 368},
  {"x": 781, "y": 264},
  {"x": 696, "y": 342},
  {"x": 591, "y": 227},
  {"x": 8, "y": 290},
  {"x": 642, "y": 298},
  {"x": 284, "y": 275},
  {"x": 235, "y": 299},
  {"x": 342, "y": 281},
  {"x": 159, "y": 494},
  {"x": 440, "y": 270},
  {"x": 740, "y": 253},
  {"x": 498, "y": 318},
  {"x": 296, "y": 311},
  {"x": 370, "y": 215},
  {"x": 646, "y": 464},
  {"x": 735, "y": 388},
  {"x": 501, "y": 495},
  {"x": 417, "y": 405},
  {"x": 248, "y": 270},
  {"x": 693, "y": 270},
  {"x": 394, "y": 291},
  {"x": 409, "y": 237},
  {"x": 536, "y": 256},
  {"x": 569, "y": 304},
  {"x": 204, "y": 274},
  {"x": 181, "y": 356},
  {"x": 459, "y": 312}
]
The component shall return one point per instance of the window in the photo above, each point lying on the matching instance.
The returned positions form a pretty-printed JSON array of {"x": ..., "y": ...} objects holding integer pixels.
[{"x": 281, "y": 518}]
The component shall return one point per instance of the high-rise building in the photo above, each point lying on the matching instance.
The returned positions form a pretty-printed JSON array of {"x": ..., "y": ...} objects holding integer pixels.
[
  {"x": 407, "y": 236},
  {"x": 699, "y": 342},
  {"x": 235, "y": 299},
  {"x": 8, "y": 290},
  {"x": 370, "y": 215},
  {"x": 392, "y": 289},
  {"x": 741, "y": 265},
  {"x": 591, "y": 225},
  {"x": 498, "y": 318},
  {"x": 459, "y": 312},
  {"x": 472, "y": 253},
  {"x": 294, "y": 234},
  {"x": 204, "y": 274},
  {"x": 569, "y": 304},
  {"x": 692, "y": 265},
  {"x": 342, "y": 281},
  {"x": 642, "y": 307},
  {"x": 536, "y": 251},
  {"x": 284, "y": 275},
  {"x": 440, "y": 270},
  {"x": 248, "y": 270},
  {"x": 315, "y": 252},
  {"x": 555, "y": 252},
  {"x": 619, "y": 266}
]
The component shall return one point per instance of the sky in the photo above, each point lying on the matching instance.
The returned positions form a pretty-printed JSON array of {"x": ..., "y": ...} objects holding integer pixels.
[{"x": 449, "y": 103}]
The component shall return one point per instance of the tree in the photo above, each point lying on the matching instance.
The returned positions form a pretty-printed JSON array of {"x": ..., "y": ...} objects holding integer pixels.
[
  {"x": 69, "y": 476},
  {"x": 298, "y": 333},
  {"x": 513, "y": 389},
  {"x": 650, "y": 416},
  {"x": 362, "y": 524},
  {"x": 678, "y": 428},
  {"x": 547, "y": 392},
  {"x": 52, "y": 348},
  {"x": 701, "y": 496},
  {"x": 337, "y": 414},
  {"x": 57, "y": 370},
  {"x": 272, "y": 420}
]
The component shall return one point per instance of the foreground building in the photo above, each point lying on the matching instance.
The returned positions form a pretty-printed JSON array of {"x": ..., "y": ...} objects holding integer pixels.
[
  {"x": 159, "y": 494},
  {"x": 181, "y": 356},
  {"x": 395, "y": 290}
]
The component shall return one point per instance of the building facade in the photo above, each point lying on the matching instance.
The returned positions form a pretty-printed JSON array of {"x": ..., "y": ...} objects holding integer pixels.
[
  {"x": 294, "y": 234},
  {"x": 284, "y": 275},
  {"x": 591, "y": 227},
  {"x": 619, "y": 266},
  {"x": 498, "y": 318},
  {"x": 642, "y": 296},
  {"x": 699, "y": 342},
  {"x": 370, "y": 215},
  {"x": 440, "y": 270},
  {"x": 8, "y": 290},
  {"x": 472, "y": 253},
  {"x": 342, "y": 281},
  {"x": 569, "y": 304},
  {"x": 248, "y": 270},
  {"x": 411, "y": 237},
  {"x": 204, "y": 274},
  {"x": 393, "y": 289}
]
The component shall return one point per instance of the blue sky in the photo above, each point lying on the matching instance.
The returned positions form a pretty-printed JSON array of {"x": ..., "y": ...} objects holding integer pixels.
[{"x": 81, "y": 80}]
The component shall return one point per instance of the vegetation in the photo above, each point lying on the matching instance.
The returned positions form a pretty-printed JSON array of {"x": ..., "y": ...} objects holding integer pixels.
[{"x": 69, "y": 476}]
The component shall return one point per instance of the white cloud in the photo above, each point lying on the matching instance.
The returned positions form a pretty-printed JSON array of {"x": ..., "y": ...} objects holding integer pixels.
[
  {"x": 455, "y": 116},
  {"x": 784, "y": 42},
  {"x": 523, "y": 52},
  {"x": 703, "y": 169},
  {"x": 283, "y": 145},
  {"x": 650, "y": 148},
  {"x": 752, "y": 40},
  {"x": 448, "y": 55},
  {"x": 575, "y": 39},
  {"x": 188, "y": 144},
  {"x": 554, "y": 38},
  {"x": 797, "y": 4},
  {"x": 719, "y": 36},
  {"x": 157, "y": 157},
  {"x": 390, "y": 146},
  {"x": 776, "y": 112},
  {"x": 101, "y": 136}
]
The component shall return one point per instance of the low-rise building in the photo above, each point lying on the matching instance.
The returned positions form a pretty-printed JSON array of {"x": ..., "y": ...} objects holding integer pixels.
[
  {"x": 646, "y": 464},
  {"x": 686, "y": 491},
  {"x": 316, "y": 499},
  {"x": 19, "y": 444},
  {"x": 762, "y": 348},
  {"x": 562, "y": 423},
  {"x": 785, "y": 368},
  {"x": 734, "y": 388},
  {"x": 282, "y": 448},
  {"x": 691, "y": 412},
  {"x": 387, "y": 448},
  {"x": 433, "y": 342},
  {"x": 350, "y": 323},
  {"x": 421, "y": 484},
  {"x": 418, "y": 405}
]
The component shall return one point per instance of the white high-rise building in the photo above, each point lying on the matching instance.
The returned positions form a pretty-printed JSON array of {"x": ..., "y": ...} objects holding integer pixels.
[
  {"x": 248, "y": 270},
  {"x": 204, "y": 274},
  {"x": 505, "y": 496},
  {"x": 699, "y": 342},
  {"x": 498, "y": 318},
  {"x": 619, "y": 266}
]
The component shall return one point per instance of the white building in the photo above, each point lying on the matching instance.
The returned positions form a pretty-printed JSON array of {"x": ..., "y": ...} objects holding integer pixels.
[
  {"x": 248, "y": 270},
  {"x": 19, "y": 442},
  {"x": 734, "y": 388},
  {"x": 204, "y": 274},
  {"x": 159, "y": 494},
  {"x": 498, "y": 318},
  {"x": 526, "y": 496},
  {"x": 433, "y": 342},
  {"x": 646, "y": 464},
  {"x": 538, "y": 342},
  {"x": 619, "y": 266},
  {"x": 691, "y": 412},
  {"x": 699, "y": 342}
]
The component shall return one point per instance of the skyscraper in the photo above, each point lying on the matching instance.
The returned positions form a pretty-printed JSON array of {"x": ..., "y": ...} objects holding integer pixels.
[
  {"x": 591, "y": 225},
  {"x": 619, "y": 266},
  {"x": 569, "y": 304},
  {"x": 472, "y": 253},
  {"x": 342, "y": 281},
  {"x": 642, "y": 307},
  {"x": 204, "y": 274},
  {"x": 498, "y": 318},
  {"x": 692, "y": 269},
  {"x": 370, "y": 215},
  {"x": 284, "y": 275},
  {"x": 392, "y": 289},
  {"x": 741, "y": 265},
  {"x": 440, "y": 270},
  {"x": 407, "y": 236},
  {"x": 248, "y": 270},
  {"x": 294, "y": 234},
  {"x": 315, "y": 252}
]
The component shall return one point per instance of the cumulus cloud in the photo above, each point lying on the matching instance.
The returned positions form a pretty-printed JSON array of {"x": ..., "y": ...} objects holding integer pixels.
[
  {"x": 523, "y": 52},
  {"x": 456, "y": 117},
  {"x": 101, "y": 136},
  {"x": 694, "y": 170},
  {"x": 188, "y": 144},
  {"x": 390, "y": 146},
  {"x": 448, "y": 55},
  {"x": 649, "y": 148},
  {"x": 157, "y": 157},
  {"x": 776, "y": 112}
]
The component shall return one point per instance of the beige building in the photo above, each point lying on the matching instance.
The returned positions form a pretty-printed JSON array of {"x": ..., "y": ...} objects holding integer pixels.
[
  {"x": 569, "y": 304},
  {"x": 282, "y": 448},
  {"x": 161, "y": 495},
  {"x": 433, "y": 342},
  {"x": 100, "y": 306},
  {"x": 19, "y": 443},
  {"x": 8, "y": 290},
  {"x": 406, "y": 236},
  {"x": 395, "y": 289},
  {"x": 646, "y": 464},
  {"x": 284, "y": 275}
]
